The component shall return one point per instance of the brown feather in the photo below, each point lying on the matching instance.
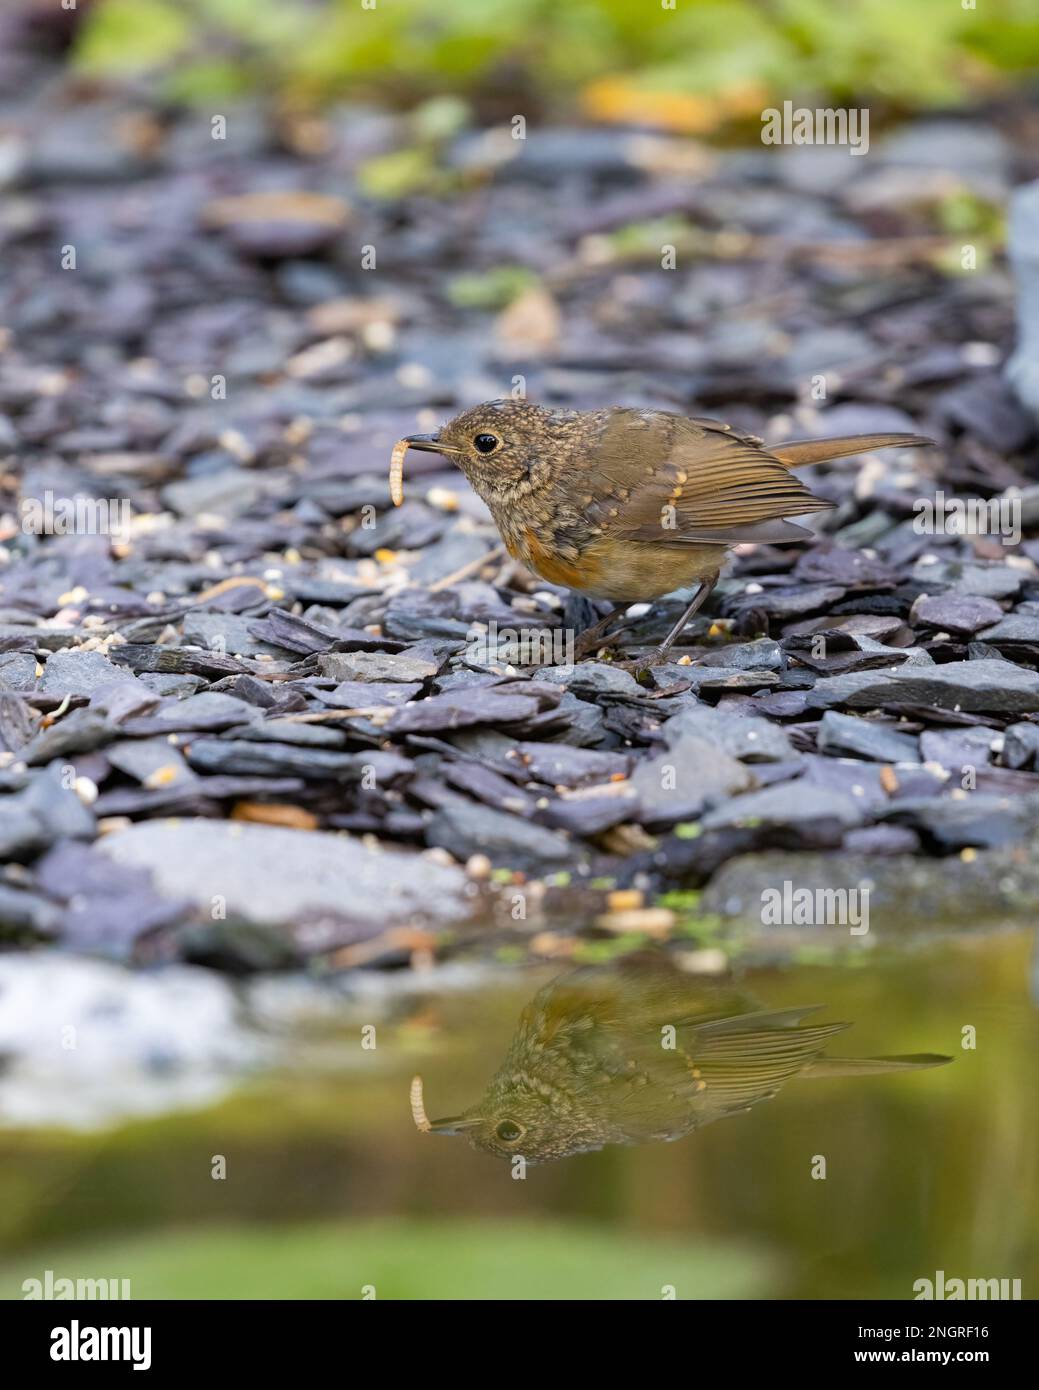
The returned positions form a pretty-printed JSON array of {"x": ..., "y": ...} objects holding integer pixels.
[
  {"x": 798, "y": 452},
  {"x": 702, "y": 483}
]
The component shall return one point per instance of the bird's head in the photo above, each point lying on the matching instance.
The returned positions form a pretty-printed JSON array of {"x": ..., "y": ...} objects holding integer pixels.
[
  {"x": 500, "y": 446},
  {"x": 510, "y": 1123}
]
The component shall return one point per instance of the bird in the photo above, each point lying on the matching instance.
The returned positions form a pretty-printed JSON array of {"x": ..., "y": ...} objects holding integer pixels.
[
  {"x": 630, "y": 504},
  {"x": 640, "y": 1052}
]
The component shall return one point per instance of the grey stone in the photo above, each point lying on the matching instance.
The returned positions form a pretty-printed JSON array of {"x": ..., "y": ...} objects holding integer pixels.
[
  {"x": 971, "y": 686},
  {"x": 957, "y": 612},
  {"x": 1020, "y": 745},
  {"x": 508, "y": 841},
  {"x": 748, "y": 737},
  {"x": 844, "y": 733},
  {"x": 269, "y": 874},
  {"x": 975, "y": 820},
  {"x": 693, "y": 774},
  {"x": 788, "y": 803}
]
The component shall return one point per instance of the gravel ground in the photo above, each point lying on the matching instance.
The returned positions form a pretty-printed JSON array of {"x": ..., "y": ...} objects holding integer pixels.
[{"x": 249, "y": 713}]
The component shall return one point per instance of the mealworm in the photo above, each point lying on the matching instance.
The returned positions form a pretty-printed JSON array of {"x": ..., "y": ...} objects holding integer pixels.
[
  {"x": 418, "y": 1108},
  {"x": 397, "y": 472}
]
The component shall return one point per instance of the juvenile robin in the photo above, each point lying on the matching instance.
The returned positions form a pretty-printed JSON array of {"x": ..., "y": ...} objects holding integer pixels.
[
  {"x": 628, "y": 504},
  {"x": 641, "y": 1053}
]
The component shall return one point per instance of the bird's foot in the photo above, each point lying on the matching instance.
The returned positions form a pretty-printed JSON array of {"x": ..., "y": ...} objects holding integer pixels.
[
  {"x": 595, "y": 641},
  {"x": 592, "y": 645},
  {"x": 641, "y": 663}
]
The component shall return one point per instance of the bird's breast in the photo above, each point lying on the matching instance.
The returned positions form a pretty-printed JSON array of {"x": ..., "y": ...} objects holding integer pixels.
[{"x": 625, "y": 571}]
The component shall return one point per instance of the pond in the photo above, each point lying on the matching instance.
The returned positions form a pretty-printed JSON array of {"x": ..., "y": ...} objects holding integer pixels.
[{"x": 312, "y": 1181}]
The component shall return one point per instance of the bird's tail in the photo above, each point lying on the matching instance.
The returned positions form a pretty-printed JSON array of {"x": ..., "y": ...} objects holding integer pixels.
[
  {"x": 798, "y": 452},
  {"x": 872, "y": 1066}
]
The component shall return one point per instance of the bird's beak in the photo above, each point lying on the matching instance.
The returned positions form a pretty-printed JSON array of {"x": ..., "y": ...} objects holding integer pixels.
[
  {"x": 454, "y": 1124},
  {"x": 428, "y": 444}
]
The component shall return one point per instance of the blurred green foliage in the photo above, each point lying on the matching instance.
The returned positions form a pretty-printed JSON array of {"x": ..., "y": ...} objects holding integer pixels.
[
  {"x": 408, "y": 1259},
  {"x": 909, "y": 54}
]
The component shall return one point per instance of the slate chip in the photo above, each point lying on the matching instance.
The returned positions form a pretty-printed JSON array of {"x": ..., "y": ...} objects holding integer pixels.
[
  {"x": 460, "y": 709},
  {"x": 508, "y": 841},
  {"x": 832, "y": 696},
  {"x": 844, "y": 734},
  {"x": 968, "y": 686},
  {"x": 961, "y": 613}
]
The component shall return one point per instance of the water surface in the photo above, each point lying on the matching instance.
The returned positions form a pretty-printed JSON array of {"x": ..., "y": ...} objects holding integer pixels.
[{"x": 330, "y": 1190}]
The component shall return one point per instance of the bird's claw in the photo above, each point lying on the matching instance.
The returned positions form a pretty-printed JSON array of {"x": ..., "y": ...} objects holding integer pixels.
[{"x": 641, "y": 663}]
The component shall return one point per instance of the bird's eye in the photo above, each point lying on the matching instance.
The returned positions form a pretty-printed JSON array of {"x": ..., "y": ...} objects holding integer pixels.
[
  {"x": 508, "y": 1132},
  {"x": 486, "y": 443}
]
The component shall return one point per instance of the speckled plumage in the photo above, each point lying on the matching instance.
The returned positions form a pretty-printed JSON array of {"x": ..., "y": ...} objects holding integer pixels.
[
  {"x": 631, "y": 504},
  {"x": 639, "y": 1053}
]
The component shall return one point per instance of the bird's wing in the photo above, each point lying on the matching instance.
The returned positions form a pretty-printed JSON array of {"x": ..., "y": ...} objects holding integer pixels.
[
  {"x": 737, "y": 1062},
  {"x": 700, "y": 483}
]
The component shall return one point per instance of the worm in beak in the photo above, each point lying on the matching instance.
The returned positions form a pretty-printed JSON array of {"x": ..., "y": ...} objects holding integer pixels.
[
  {"x": 418, "y": 1108},
  {"x": 456, "y": 1124},
  {"x": 427, "y": 443}
]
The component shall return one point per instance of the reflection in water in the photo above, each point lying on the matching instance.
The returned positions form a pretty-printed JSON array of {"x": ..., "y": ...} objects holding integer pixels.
[{"x": 639, "y": 1053}]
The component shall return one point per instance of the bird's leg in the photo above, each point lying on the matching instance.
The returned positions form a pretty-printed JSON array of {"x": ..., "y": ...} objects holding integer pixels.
[
  {"x": 660, "y": 655},
  {"x": 590, "y": 639},
  {"x": 702, "y": 595}
]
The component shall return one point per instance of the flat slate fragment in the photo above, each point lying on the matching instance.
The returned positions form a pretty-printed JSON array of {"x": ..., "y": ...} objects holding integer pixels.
[
  {"x": 458, "y": 709},
  {"x": 253, "y": 759},
  {"x": 957, "y": 612},
  {"x": 178, "y": 661},
  {"x": 748, "y": 737},
  {"x": 844, "y": 734},
  {"x": 269, "y": 874},
  {"x": 560, "y": 765},
  {"x": 465, "y": 829},
  {"x": 788, "y": 803},
  {"x": 972, "y": 686}
]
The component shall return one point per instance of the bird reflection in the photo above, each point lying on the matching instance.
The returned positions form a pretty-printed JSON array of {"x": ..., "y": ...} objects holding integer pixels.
[{"x": 642, "y": 1053}]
